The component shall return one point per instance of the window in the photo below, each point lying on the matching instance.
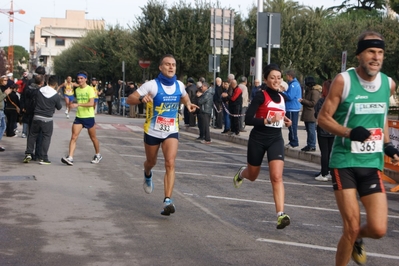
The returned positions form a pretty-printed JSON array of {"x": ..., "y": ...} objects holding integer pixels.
[{"x": 59, "y": 42}]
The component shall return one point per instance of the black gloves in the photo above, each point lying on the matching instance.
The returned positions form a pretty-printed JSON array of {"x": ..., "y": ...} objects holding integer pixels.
[
  {"x": 359, "y": 134},
  {"x": 390, "y": 150}
]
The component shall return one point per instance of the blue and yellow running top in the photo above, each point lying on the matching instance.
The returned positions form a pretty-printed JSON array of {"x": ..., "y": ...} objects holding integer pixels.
[{"x": 162, "y": 117}]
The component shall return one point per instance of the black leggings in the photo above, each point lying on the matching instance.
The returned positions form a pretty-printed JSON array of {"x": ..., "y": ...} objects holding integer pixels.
[{"x": 12, "y": 118}]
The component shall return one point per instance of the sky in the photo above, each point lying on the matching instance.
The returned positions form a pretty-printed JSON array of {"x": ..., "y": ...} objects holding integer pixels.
[{"x": 122, "y": 12}]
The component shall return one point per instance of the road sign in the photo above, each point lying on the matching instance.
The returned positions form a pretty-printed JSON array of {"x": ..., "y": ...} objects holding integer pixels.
[
  {"x": 252, "y": 66},
  {"x": 214, "y": 66},
  {"x": 144, "y": 63},
  {"x": 264, "y": 21}
]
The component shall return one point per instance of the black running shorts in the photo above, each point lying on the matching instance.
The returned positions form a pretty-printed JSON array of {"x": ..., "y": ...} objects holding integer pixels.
[
  {"x": 150, "y": 140},
  {"x": 258, "y": 147},
  {"x": 366, "y": 180}
]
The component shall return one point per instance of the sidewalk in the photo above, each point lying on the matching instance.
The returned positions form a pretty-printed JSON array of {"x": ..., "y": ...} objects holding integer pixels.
[
  {"x": 295, "y": 153},
  {"x": 242, "y": 139}
]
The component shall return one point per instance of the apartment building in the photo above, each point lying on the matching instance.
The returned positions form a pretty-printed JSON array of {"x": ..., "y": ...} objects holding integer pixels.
[{"x": 54, "y": 35}]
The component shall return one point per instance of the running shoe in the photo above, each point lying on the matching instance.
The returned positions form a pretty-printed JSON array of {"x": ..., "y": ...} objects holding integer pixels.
[
  {"x": 44, "y": 162},
  {"x": 359, "y": 254},
  {"x": 67, "y": 116},
  {"x": 168, "y": 207},
  {"x": 237, "y": 180},
  {"x": 97, "y": 158},
  {"x": 23, "y": 135},
  {"x": 321, "y": 177},
  {"x": 148, "y": 185},
  {"x": 282, "y": 221},
  {"x": 307, "y": 148},
  {"x": 27, "y": 158},
  {"x": 67, "y": 160}
]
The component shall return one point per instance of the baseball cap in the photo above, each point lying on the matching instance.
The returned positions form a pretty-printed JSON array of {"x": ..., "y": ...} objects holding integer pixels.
[{"x": 40, "y": 70}]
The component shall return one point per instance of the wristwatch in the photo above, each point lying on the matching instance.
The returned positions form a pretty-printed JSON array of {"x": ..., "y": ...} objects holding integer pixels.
[
  {"x": 141, "y": 99},
  {"x": 269, "y": 121}
]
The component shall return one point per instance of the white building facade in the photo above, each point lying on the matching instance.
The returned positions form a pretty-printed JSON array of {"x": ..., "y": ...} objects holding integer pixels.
[{"x": 54, "y": 35}]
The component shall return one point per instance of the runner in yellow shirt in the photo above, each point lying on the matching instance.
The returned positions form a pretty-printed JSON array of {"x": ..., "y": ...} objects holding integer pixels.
[{"x": 69, "y": 94}]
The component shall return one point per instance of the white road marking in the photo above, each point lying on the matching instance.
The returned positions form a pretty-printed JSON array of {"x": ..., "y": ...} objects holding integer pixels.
[
  {"x": 106, "y": 126},
  {"x": 135, "y": 128},
  {"x": 370, "y": 254},
  {"x": 286, "y": 205}
]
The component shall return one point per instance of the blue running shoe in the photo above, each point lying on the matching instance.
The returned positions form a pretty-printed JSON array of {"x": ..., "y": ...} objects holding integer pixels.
[
  {"x": 148, "y": 184},
  {"x": 168, "y": 207}
]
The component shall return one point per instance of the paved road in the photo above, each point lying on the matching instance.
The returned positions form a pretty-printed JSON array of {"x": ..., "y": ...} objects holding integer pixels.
[{"x": 99, "y": 214}]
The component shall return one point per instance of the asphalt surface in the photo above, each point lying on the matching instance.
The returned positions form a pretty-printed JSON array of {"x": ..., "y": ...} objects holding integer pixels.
[{"x": 98, "y": 214}]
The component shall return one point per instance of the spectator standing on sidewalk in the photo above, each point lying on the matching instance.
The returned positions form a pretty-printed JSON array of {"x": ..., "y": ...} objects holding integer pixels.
[
  {"x": 267, "y": 114},
  {"x": 217, "y": 101},
  {"x": 235, "y": 104},
  {"x": 109, "y": 96},
  {"x": 245, "y": 102},
  {"x": 226, "y": 92},
  {"x": 312, "y": 95},
  {"x": 4, "y": 92},
  {"x": 191, "y": 89},
  {"x": 205, "y": 102},
  {"x": 324, "y": 138},
  {"x": 12, "y": 111},
  {"x": 198, "y": 113},
  {"x": 47, "y": 100},
  {"x": 255, "y": 89},
  {"x": 355, "y": 111},
  {"x": 293, "y": 106},
  {"x": 84, "y": 119}
]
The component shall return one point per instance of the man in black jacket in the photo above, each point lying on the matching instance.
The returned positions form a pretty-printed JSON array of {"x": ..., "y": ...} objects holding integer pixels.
[
  {"x": 217, "y": 101},
  {"x": 27, "y": 104},
  {"x": 47, "y": 100}
]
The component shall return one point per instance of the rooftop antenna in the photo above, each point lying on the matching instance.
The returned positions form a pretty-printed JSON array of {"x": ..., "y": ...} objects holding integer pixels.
[{"x": 86, "y": 12}]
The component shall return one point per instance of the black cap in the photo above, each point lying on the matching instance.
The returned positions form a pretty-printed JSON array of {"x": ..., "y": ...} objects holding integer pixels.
[
  {"x": 93, "y": 78},
  {"x": 40, "y": 70},
  {"x": 190, "y": 80}
]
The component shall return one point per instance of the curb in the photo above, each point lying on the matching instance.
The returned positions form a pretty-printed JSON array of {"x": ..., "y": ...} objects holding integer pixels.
[
  {"x": 289, "y": 152},
  {"x": 243, "y": 140}
]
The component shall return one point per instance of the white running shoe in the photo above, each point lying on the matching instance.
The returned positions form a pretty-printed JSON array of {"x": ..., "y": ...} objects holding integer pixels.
[
  {"x": 322, "y": 178},
  {"x": 97, "y": 158}
]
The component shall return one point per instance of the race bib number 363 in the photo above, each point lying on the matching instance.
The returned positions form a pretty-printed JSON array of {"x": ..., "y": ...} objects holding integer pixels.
[
  {"x": 165, "y": 124},
  {"x": 373, "y": 144}
]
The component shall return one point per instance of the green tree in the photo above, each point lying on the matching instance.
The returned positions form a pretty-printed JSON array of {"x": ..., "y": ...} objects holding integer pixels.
[
  {"x": 21, "y": 57},
  {"x": 181, "y": 30},
  {"x": 3, "y": 62},
  {"x": 394, "y": 5},
  {"x": 367, "y": 5},
  {"x": 101, "y": 53}
]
